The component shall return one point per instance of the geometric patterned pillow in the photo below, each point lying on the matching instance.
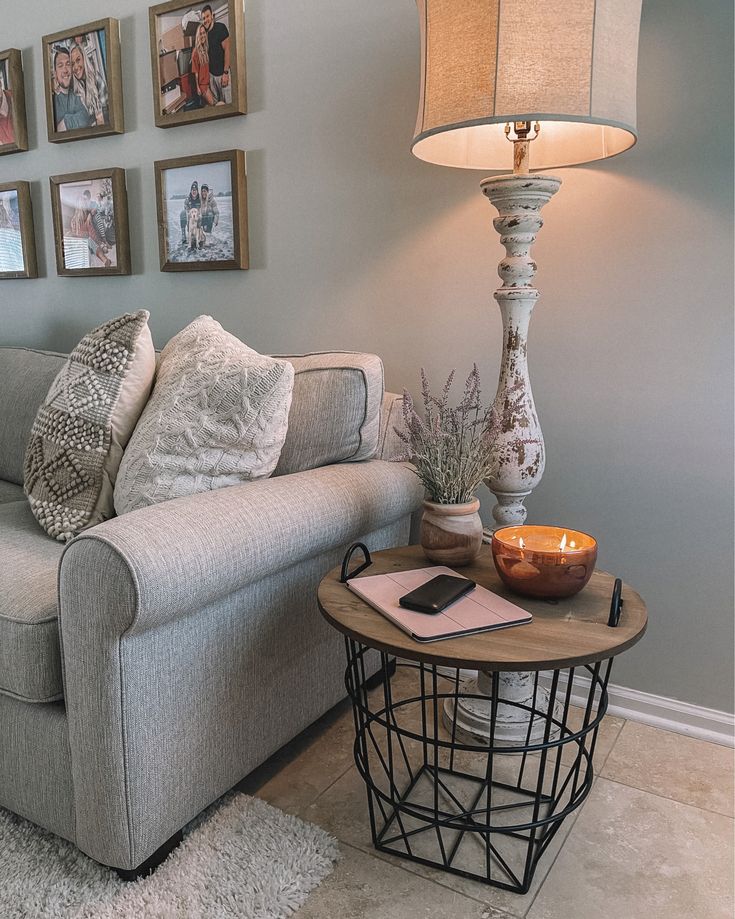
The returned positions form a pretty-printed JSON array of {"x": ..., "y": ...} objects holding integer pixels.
[
  {"x": 217, "y": 416},
  {"x": 82, "y": 427}
]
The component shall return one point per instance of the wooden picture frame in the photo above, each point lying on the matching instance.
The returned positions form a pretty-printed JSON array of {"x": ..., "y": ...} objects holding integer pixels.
[
  {"x": 89, "y": 228},
  {"x": 176, "y": 88},
  {"x": 83, "y": 63},
  {"x": 13, "y": 126},
  {"x": 17, "y": 224},
  {"x": 216, "y": 240}
]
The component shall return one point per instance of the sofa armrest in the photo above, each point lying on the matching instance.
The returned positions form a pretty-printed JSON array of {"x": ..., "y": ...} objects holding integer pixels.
[
  {"x": 390, "y": 446},
  {"x": 183, "y": 554},
  {"x": 171, "y": 618}
]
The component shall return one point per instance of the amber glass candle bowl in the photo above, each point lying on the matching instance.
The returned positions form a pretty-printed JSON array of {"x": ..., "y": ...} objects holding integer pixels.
[{"x": 546, "y": 562}]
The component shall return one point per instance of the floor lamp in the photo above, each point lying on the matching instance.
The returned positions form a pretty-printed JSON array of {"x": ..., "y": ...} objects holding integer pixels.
[{"x": 532, "y": 83}]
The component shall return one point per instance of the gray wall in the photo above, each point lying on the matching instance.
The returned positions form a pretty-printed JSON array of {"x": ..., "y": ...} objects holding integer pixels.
[{"x": 356, "y": 244}]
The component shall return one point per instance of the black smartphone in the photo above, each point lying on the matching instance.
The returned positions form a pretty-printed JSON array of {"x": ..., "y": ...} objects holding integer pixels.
[{"x": 437, "y": 594}]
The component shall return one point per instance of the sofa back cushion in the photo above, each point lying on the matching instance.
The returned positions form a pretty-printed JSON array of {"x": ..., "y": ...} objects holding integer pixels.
[
  {"x": 334, "y": 417},
  {"x": 25, "y": 378},
  {"x": 335, "y": 410}
]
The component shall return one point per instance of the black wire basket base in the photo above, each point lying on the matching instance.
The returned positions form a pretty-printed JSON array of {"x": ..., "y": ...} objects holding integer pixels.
[{"x": 477, "y": 809}]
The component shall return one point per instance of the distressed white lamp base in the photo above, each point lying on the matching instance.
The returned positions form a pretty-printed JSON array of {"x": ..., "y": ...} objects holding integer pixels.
[
  {"x": 519, "y": 450},
  {"x": 511, "y": 722},
  {"x": 520, "y": 456}
]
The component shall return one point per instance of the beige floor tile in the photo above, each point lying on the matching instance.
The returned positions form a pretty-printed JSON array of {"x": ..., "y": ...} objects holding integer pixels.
[
  {"x": 607, "y": 735},
  {"x": 634, "y": 855},
  {"x": 674, "y": 766},
  {"x": 303, "y": 769},
  {"x": 343, "y": 811},
  {"x": 363, "y": 887}
]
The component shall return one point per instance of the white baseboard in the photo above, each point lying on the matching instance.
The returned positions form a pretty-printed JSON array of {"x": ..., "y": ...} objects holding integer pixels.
[
  {"x": 658, "y": 711},
  {"x": 661, "y": 712}
]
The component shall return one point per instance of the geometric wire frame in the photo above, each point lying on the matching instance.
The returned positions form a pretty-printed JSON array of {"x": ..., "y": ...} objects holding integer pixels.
[{"x": 479, "y": 810}]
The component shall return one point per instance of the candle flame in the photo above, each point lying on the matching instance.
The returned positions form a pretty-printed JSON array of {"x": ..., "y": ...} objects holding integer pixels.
[
  {"x": 521, "y": 543},
  {"x": 563, "y": 543}
]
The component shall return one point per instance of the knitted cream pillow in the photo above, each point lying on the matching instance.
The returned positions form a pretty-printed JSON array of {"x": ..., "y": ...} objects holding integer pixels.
[
  {"x": 218, "y": 416},
  {"x": 82, "y": 427}
]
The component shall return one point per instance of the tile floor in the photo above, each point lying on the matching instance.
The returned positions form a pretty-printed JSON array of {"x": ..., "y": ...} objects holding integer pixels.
[{"x": 654, "y": 840}]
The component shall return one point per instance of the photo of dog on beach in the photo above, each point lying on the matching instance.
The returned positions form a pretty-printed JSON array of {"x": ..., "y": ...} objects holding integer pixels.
[
  {"x": 202, "y": 211},
  {"x": 198, "y": 201}
]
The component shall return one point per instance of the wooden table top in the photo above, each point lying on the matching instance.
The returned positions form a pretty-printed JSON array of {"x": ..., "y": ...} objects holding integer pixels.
[{"x": 564, "y": 633}]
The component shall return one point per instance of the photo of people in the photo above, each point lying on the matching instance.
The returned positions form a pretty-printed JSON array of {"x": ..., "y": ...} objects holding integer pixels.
[
  {"x": 11, "y": 243},
  {"x": 79, "y": 81},
  {"x": 83, "y": 81},
  {"x": 194, "y": 48},
  {"x": 88, "y": 220},
  {"x": 202, "y": 204},
  {"x": 198, "y": 204},
  {"x": 7, "y": 129},
  {"x": 17, "y": 242}
]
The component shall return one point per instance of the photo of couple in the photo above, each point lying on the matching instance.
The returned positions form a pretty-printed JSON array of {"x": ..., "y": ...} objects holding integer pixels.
[
  {"x": 7, "y": 129},
  {"x": 11, "y": 245},
  {"x": 88, "y": 220},
  {"x": 79, "y": 85},
  {"x": 199, "y": 213},
  {"x": 193, "y": 46}
]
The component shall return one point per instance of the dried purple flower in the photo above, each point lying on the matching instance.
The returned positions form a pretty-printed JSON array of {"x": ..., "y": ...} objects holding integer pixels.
[{"x": 453, "y": 449}]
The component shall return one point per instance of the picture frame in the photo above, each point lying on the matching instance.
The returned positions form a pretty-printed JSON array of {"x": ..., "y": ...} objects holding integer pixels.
[
  {"x": 90, "y": 219},
  {"x": 203, "y": 229},
  {"x": 186, "y": 88},
  {"x": 17, "y": 237},
  {"x": 13, "y": 125},
  {"x": 83, "y": 82}
]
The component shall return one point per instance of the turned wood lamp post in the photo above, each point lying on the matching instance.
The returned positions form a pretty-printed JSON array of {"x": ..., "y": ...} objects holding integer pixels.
[{"x": 532, "y": 83}]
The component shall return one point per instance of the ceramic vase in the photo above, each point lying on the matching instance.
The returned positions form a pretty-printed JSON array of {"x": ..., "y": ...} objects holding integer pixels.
[{"x": 451, "y": 534}]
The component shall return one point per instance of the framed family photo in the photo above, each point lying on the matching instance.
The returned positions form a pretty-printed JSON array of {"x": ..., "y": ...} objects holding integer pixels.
[
  {"x": 197, "y": 61},
  {"x": 203, "y": 212},
  {"x": 83, "y": 82},
  {"x": 90, "y": 212},
  {"x": 17, "y": 241},
  {"x": 13, "y": 130}
]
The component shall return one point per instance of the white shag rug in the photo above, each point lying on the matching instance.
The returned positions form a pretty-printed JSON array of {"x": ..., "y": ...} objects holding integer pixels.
[{"x": 241, "y": 859}]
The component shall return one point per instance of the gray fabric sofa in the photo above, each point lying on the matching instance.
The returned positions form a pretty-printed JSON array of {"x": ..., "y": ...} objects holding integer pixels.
[{"x": 159, "y": 657}]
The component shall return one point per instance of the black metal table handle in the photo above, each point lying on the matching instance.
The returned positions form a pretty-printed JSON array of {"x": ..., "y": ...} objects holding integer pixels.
[
  {"x": 616, "y": 604},
  {"x": 344, "y": 576}
]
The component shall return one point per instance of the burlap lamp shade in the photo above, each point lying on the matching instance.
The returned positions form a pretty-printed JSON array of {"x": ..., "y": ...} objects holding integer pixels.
[{"x": 570, "y": 64}]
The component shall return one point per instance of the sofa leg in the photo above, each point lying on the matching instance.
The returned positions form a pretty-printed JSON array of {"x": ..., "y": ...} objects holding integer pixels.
[
  {"x": 150, "y": 864},
  {"x": 377, "y": 678}
]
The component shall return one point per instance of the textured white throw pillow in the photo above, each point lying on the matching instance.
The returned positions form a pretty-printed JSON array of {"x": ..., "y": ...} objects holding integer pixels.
[{"x": 218, "y": 416}]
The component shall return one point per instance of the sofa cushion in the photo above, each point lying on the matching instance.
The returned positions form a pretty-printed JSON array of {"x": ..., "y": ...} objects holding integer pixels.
[
  {"x": 84, "y": 424},
  {"x": 30, "y": 657},
  {"x": 335, "y": 411},
  {"x": 218, "y": 416},
  {"x": 9, "y": 491},
  {"x": 25, "y": 378}
]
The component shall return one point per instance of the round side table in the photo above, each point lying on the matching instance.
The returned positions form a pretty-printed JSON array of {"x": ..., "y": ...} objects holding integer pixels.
[{"x": 479, "y": 809}]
